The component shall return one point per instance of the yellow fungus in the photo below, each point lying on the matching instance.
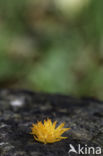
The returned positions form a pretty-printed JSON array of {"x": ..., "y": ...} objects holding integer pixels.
[{"x": 48, "y": 132}]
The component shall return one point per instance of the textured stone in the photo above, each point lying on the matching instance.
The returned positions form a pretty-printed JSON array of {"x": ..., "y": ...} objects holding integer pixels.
[{"x": 19, "y": 109}]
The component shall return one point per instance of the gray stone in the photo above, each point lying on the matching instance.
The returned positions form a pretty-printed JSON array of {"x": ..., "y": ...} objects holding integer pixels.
[{"x": 20, "y": 108}]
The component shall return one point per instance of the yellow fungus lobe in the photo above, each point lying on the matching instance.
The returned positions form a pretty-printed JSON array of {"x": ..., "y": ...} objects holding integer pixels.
[{"x": 48, "y": 132}]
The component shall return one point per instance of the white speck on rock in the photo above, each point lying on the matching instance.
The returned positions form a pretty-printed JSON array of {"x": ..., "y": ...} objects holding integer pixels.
[
  {"x": 3, "y": 143},
  {"x": 17, "y": 103},
  {"x": 3, "y": 125}
]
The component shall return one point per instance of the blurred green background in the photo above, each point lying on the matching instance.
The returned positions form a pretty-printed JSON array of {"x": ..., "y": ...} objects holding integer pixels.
[{"x": 54, "y": 46}]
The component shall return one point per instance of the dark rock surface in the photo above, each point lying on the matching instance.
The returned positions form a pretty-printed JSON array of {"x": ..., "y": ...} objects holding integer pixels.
[{"x": 19, "y": 109}]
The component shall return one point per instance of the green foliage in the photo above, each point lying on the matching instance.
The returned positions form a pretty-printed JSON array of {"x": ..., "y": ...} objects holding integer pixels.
[{"x": 45, "y": 47}]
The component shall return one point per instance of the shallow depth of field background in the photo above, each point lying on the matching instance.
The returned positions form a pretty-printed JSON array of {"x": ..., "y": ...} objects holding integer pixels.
[{"x": 53, "y": 46}]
